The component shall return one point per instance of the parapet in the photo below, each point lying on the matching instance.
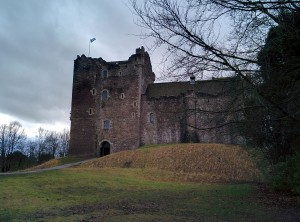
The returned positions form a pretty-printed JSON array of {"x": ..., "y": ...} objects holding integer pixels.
[{"x": 140, "y": 50}]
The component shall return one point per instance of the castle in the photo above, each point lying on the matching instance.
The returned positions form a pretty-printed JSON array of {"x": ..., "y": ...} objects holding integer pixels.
[{"x": 117, "y": 106}]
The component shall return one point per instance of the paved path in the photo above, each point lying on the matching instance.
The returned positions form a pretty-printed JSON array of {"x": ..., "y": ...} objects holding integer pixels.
[{"x": 46, "y": 169}]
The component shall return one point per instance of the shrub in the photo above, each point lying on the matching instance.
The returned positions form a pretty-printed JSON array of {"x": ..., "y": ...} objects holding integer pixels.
[{"x": 285, "y": 176}]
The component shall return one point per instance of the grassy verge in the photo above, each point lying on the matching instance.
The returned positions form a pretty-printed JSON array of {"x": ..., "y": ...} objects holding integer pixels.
[{"x": 128, "y": 194}]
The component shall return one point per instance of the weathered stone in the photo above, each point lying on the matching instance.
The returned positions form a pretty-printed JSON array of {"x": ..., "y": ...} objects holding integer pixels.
[{"x": 117, "y": 106}]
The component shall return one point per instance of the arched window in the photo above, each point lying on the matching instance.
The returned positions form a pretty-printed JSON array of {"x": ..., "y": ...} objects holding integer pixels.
[
  {"x": 105, "y": 73},
  {"x": 104, "y": 95}
]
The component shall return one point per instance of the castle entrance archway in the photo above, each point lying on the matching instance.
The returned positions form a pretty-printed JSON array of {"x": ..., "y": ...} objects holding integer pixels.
[{"x": 104, "y": 148}]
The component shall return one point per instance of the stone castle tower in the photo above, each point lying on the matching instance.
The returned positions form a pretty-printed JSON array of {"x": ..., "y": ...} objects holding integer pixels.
[
  {"x": 106, "y": 103},
  {"x": 117, "y": 106}
]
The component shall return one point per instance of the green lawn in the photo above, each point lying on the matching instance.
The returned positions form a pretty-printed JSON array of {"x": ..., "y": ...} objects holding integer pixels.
[{"x": 115, "y": 194}]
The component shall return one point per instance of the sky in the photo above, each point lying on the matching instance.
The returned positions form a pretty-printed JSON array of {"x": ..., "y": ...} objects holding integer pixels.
[{"x": 39, "y": 41}]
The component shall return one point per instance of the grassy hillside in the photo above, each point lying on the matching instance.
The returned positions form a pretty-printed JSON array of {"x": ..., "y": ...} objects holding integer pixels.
[
  {"x": 188, "y": 162},
  {"x": 148, "y": 184},
  {"x": 125, "y": 194}
]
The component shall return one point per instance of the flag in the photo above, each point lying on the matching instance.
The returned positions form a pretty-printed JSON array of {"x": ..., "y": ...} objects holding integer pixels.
[{"x": 93, "y": 39}]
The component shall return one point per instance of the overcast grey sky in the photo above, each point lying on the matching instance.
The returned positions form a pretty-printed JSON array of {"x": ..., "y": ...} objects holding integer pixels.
[{"x": 39, "y": 41}]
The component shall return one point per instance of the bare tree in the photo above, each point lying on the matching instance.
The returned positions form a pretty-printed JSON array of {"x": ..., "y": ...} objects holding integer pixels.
[
  {"x": 12, "y": 139},
  {"x": 41, "y": 142},
  {"x": 64, "y": 138},
  {"x": 225, "y": 38},
  {"x": 213, "y": 38},
  {"x": 52, "y": 143},
  {"x": 31, "y": 149}
]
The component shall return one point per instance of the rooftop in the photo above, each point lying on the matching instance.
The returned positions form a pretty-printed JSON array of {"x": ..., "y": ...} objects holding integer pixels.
[{"x": 213, "y": 87}]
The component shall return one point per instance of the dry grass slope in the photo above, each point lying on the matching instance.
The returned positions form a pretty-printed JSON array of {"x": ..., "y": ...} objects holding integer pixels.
[
  {"x": 48, "y": 164},
  {"x": 55, "y": 162},
  {"x": 190, "y": 162}
]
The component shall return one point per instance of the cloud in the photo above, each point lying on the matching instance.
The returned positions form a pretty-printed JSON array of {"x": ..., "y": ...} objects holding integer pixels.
[{"x": 39, "y": 41}]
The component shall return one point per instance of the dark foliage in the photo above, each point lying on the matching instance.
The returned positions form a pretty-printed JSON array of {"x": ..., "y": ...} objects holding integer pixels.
[
  {"x": 261, "y": 47},
  {"x": 279, "y": 62}
]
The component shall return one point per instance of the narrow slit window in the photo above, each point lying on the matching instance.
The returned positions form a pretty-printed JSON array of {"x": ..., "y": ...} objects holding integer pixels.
[
  {"x": 90, "y": 111},
  {"x": 93, "y": 91},
  {"x": 122, "y": 95}
]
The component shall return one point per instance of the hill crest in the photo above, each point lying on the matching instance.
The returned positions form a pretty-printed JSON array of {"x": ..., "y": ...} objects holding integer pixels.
[{"x": 194, "y": 162}]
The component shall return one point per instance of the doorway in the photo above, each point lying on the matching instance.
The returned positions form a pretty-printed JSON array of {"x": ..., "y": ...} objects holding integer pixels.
[{"x": 104, "y": 148}]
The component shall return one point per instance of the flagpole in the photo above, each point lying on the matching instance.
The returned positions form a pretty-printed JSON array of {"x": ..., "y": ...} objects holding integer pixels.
[{"x": 90, "y": 41}]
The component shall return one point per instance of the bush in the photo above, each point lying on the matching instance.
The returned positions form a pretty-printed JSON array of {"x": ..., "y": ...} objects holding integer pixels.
[
  {"x": 45, "y": 157},
  {"x": 285, "y": 176}
]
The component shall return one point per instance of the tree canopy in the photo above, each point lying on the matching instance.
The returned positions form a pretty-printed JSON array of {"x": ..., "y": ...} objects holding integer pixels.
[
  {"x": 212, "y": 36},
  {"x": 257, "y": 41}
]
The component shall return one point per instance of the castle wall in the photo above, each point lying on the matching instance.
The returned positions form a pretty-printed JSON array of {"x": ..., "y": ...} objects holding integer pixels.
[
  {"x": 215, "y": 118},
  {"x": 106, "y": 103},
  {"x": 162, "y": 120},
  {"x": 83, "y": 125},
  {"x": 117, "y": 104},
  {"x": 190, "y": 117},
  {"x": 121, "y": 108}
]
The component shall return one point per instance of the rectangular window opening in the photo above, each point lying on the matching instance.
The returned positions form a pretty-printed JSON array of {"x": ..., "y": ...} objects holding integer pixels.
[{"x": 106, "y": 124}]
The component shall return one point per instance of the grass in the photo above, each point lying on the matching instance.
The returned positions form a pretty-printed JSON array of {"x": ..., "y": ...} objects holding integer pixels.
[
  {"x": 114, "y": 194},
  {"x": 189, "y": 162},
  {"x": 159, "y": 183},
  {"x": 56, "y": 162}
]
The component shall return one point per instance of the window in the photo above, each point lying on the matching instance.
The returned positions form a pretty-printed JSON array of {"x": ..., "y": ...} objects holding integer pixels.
[
  {"x": 120, "y": 73},
  {"x": 106, "y": 124},
  {"x": 93, "y": 91},
  {"x": 104, "y": 95},
  {"x": 122, "y": 95},
  {"x": 135, "y": 104},
  {"x": 105, "y": 73},
  {"x": 90, "y": 111},
  {"x": 151, "y": 117},
  {"x": 132, "y": 115}
]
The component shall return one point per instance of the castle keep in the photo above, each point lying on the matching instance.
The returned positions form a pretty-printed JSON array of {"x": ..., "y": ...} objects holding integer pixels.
[{"x": 117, "y": 106}]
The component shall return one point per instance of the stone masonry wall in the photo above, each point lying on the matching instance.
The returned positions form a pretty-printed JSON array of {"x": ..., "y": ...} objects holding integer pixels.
[
  {"x": 118, "y": 103},
  {"x": 123, "y": 83},
  {"x": 190, "y": 117},
  {"x": 83, "y": 125},
  {"x": 162, "y": 120}
]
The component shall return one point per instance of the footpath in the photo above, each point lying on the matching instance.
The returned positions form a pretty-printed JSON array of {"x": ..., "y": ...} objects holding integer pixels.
[{"x": 45, "y": 169}]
